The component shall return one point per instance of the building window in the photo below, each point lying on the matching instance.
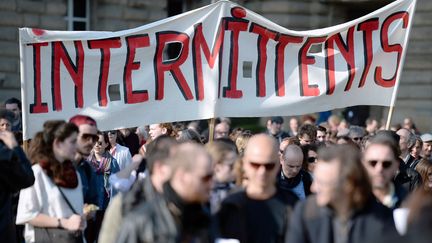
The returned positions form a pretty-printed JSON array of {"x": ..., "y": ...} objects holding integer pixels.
[{"x": 78, "y": 15}]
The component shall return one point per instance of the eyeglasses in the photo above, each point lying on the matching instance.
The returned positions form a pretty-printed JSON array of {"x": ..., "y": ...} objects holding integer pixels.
[
  {"x": 87, "y": 137},
  {"x": 267, "y": 166},
  {"x": 384, "y": 164},
  {"x": 357, "y": 138},
  {"x": 311, "y": 159}
]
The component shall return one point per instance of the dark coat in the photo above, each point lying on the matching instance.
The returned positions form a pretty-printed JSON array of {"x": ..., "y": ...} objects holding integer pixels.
[
  {"x": 285, "y": 184},
  {"x": 15, "y": 174},
  {"x": 314, "y": 224},
  {"x": 408, "y": 177},
  {"x": 233, "y": 218},
  {"x": 166, "y": 218}
]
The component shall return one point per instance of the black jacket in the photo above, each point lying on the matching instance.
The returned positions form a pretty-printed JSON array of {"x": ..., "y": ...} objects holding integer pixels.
[
  {"x": 15, "y": 174},
  {"x": 249, "y": 220},
  {"x": 408, "y": 177},
  {"x": 314, "y": 224},
  {"x": 166, "y": 218},
  {"x": 287, "y": 184}
]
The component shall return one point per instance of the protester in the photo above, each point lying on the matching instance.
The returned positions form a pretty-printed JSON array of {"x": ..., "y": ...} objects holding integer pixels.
[
  {"x": 143, "y": 134},
  {"x": 407, "y": 175},
  {"x": 356, "y": 134},
  {"x": 15, "y": 174},
  {"x": 14, "y": 105},
  {"x": 178, "y": 215},
  {"x": 424, "y": 168},
  {"x": 427, "y": 146},
  {"x": 186, "y": 135},
  {"x": 159, "y": 171},
  {"x": 224, "y": 155},
  {"x": 274, "y": 128},
  {"x": 5, "y": 120},
  {"x": 307, "y": 134},
  {"x": 321, "y": 134},
  {"x": 372, "y": 126},
  {"x": 128, "y": 138},
  {"x": 120, "y": 153},
  {"x": 87, "y": 138},
  {"x": 292, "y": 177},
  {"x": 221, "y": 130},
  {"x": 415, "y": 150},
  {"x": 242, "y": 140},
  {"x": 381, "y": 162},
  {"x": 408, "y": 124},
  {"x": 333, "y": 122},
  {"x": 310, "y": 154},
  {"x": 259, "y": 213},
  {"x": 293, "y": 126},
  {"x": 55, "y": 200},
  {"x": 285, "y": 142},
  {"x": 103, "y": 165},
  {"x": 157, "y": 130},
  {"x": 344, "y": 208}
]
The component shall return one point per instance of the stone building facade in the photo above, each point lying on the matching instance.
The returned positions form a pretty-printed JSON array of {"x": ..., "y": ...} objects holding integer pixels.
[{"x": 415, "y": 91}]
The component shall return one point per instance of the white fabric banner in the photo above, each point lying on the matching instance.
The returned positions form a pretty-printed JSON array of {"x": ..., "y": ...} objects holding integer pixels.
[{"x": 231, "y": 62}]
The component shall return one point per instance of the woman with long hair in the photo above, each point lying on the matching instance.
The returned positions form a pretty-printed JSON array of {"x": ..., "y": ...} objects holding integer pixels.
[
  {"x": 55, "y": 200},
  {"x": 424, "y": 168}
]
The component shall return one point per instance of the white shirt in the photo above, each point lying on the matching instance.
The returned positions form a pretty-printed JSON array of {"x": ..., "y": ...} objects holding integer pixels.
[
  {"x": 45, "y": 198},
  {"x": 122, "y": 155}
]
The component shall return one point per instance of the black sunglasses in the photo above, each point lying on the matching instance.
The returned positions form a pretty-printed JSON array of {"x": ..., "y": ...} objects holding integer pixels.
[
  {"x": 311, "y": 159},
  {"x": 267, "y": 166},
  {"x": 93, "y": 137},
  {"x": 385, "y": 164},
  {"x": 357, "y": 138}
]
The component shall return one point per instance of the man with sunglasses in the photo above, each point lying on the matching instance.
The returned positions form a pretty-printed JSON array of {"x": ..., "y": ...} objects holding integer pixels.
[
  {"x": 381, "y": 161},
  {"x": 356, "y": 134},
  {"x": 87, "y": 138},
  {"x": 260, "y": 212}
]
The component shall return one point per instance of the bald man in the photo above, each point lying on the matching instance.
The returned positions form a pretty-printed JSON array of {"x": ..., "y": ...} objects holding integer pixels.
[
  {"x": 292, "y": 178},
  {"x": 260, "y": 212}
]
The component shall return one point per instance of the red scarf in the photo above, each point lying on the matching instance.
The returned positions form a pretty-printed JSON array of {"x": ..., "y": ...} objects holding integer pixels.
[{"x": 63, "y": 174}]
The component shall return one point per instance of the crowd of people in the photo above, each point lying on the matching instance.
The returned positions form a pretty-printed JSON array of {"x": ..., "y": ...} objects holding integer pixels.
[{"x": 174, "y": 182}]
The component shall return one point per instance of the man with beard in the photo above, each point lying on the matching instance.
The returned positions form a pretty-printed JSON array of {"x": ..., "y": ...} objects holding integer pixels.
[
  {"x": 177, "y": 215},
  {"x": 381, "y": 161},
  {"x": 87, "y": 138}
]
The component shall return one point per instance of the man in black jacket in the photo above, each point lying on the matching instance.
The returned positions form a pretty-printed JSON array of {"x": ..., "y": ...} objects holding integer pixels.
[
  {"x": 178, "y": 214},
  {"x": 344, "y": 209},
  {"x": 15, "y": 174},
  {"x": 259, "y": 213},
  {"x": 292, "y": 177}
]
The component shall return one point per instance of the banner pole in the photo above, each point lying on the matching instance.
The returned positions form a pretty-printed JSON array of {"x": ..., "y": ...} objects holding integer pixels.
[
  {"x": 211, "y": 129},
  {"x": 399, "y": 71},
  {"x": 389, "y": 117}
]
